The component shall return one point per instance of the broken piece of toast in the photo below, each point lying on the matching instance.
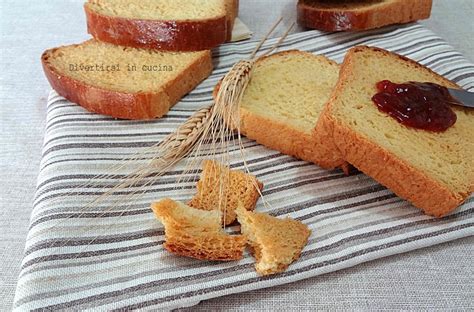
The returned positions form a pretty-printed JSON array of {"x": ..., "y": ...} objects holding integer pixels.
[
  {"x": 238, "y": 186},
  {"x": 276, "y": 243},
  {"x": 197, "y": 233}
]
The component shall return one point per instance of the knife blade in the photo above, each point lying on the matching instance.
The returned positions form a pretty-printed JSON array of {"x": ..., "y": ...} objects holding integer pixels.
[{"x": 463, "y": 97}]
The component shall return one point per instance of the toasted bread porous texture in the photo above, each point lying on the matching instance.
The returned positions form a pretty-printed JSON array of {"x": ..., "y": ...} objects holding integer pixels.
[
  {"x": 339, "y": 15},
  {"x": 275, "y": 243},
  {"x": 171, "y": 25},
  {"x": 237, "y": 186},
  {"x": 432, "y": 170},
  {"x": 197, "y": 233},
  {"x": 99, "y": 77},
  {"x": 283, "y": 100}
]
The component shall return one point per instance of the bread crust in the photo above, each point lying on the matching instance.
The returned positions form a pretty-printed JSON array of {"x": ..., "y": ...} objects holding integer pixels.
[
  {"x": 154, "y": 34},
  {"x": 404, "y": 180},
  {"x": 322, "y": 136},
  {"x": 280, "y": 137},
  {"x": 389, "y": 170},
  {"x": 393, "y": 12},
  {"x": 144, "y": 105}
]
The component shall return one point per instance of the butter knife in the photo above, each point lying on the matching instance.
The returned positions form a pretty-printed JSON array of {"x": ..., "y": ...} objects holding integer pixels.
[{"x": 465, "y": 98}]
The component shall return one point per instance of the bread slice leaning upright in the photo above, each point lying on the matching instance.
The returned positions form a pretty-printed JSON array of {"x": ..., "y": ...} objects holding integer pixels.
[
  {"x": 238, "y": 187},
  {"x": 433, "y": 170},
  {"x": 342, "y": 15},
  {"x": 283, "y": 100},
  {"x": 171, "y": 25},
  {"x": 124, "y": 82},
  {"x": 275, "y": 243}
]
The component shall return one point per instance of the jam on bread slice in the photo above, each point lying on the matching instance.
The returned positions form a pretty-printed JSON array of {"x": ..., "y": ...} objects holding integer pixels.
[{"x": 432, "y": 170}]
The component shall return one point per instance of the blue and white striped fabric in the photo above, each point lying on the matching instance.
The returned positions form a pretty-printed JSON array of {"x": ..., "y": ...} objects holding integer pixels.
[{"x": 110, "y": 257}]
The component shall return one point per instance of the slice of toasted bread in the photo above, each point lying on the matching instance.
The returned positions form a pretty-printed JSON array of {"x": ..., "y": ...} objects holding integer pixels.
[
  {"x": 171, "y": 25},
  {"x": 434, "y": 171},
  {"x": 197, "y": 233},
  {"x": 341, "y": 15},
  {"x": 238, "y": 187},
  {"x": 100, "y": 77},
  {"x": 232, "y": 11},
  {"x": 275, "y": 243},
  {"x": 283, "y": 100}
]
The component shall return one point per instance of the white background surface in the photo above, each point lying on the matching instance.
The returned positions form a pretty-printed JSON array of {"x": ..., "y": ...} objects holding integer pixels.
[{"x": 440, "y": 277}]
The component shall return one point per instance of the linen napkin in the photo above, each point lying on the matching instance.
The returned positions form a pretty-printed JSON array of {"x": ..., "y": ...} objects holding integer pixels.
[{"x": 110, "y": 256}]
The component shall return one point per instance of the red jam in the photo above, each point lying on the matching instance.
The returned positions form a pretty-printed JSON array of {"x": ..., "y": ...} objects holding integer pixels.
[{"x": 416, "y": 104}]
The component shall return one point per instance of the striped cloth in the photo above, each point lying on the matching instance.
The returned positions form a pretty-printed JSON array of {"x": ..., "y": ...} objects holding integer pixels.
[{"x": 110, "y": 257}]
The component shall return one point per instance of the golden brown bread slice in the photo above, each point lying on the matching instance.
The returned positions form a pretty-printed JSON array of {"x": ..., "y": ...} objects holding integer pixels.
[
  {"x": 239, "y": 187},
  {"x": 171, "y": 25},
  {"x": 197, "y": 233},
  {"x": 96, "y": 75},
  {"x": 283, "y": 100},
  {"x": 434, "y": 171},
  {"x": 275, "y": 243},
  {"x": 337, "y": 15}
]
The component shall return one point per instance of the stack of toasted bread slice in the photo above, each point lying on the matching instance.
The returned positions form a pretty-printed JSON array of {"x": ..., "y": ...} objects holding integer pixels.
[
  {"x": 145, "y": 56},
  {"x": 197, "y": 232}
]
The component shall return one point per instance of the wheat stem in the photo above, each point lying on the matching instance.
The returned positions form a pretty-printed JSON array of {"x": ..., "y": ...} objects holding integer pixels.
[{"x": 267, "y": 35}]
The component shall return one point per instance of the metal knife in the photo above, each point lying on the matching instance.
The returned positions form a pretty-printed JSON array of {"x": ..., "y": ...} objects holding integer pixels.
[{"x": 464, "y": 97}]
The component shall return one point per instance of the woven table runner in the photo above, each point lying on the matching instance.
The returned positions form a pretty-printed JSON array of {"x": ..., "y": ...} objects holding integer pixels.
[{"x": 110, "y": 256}]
